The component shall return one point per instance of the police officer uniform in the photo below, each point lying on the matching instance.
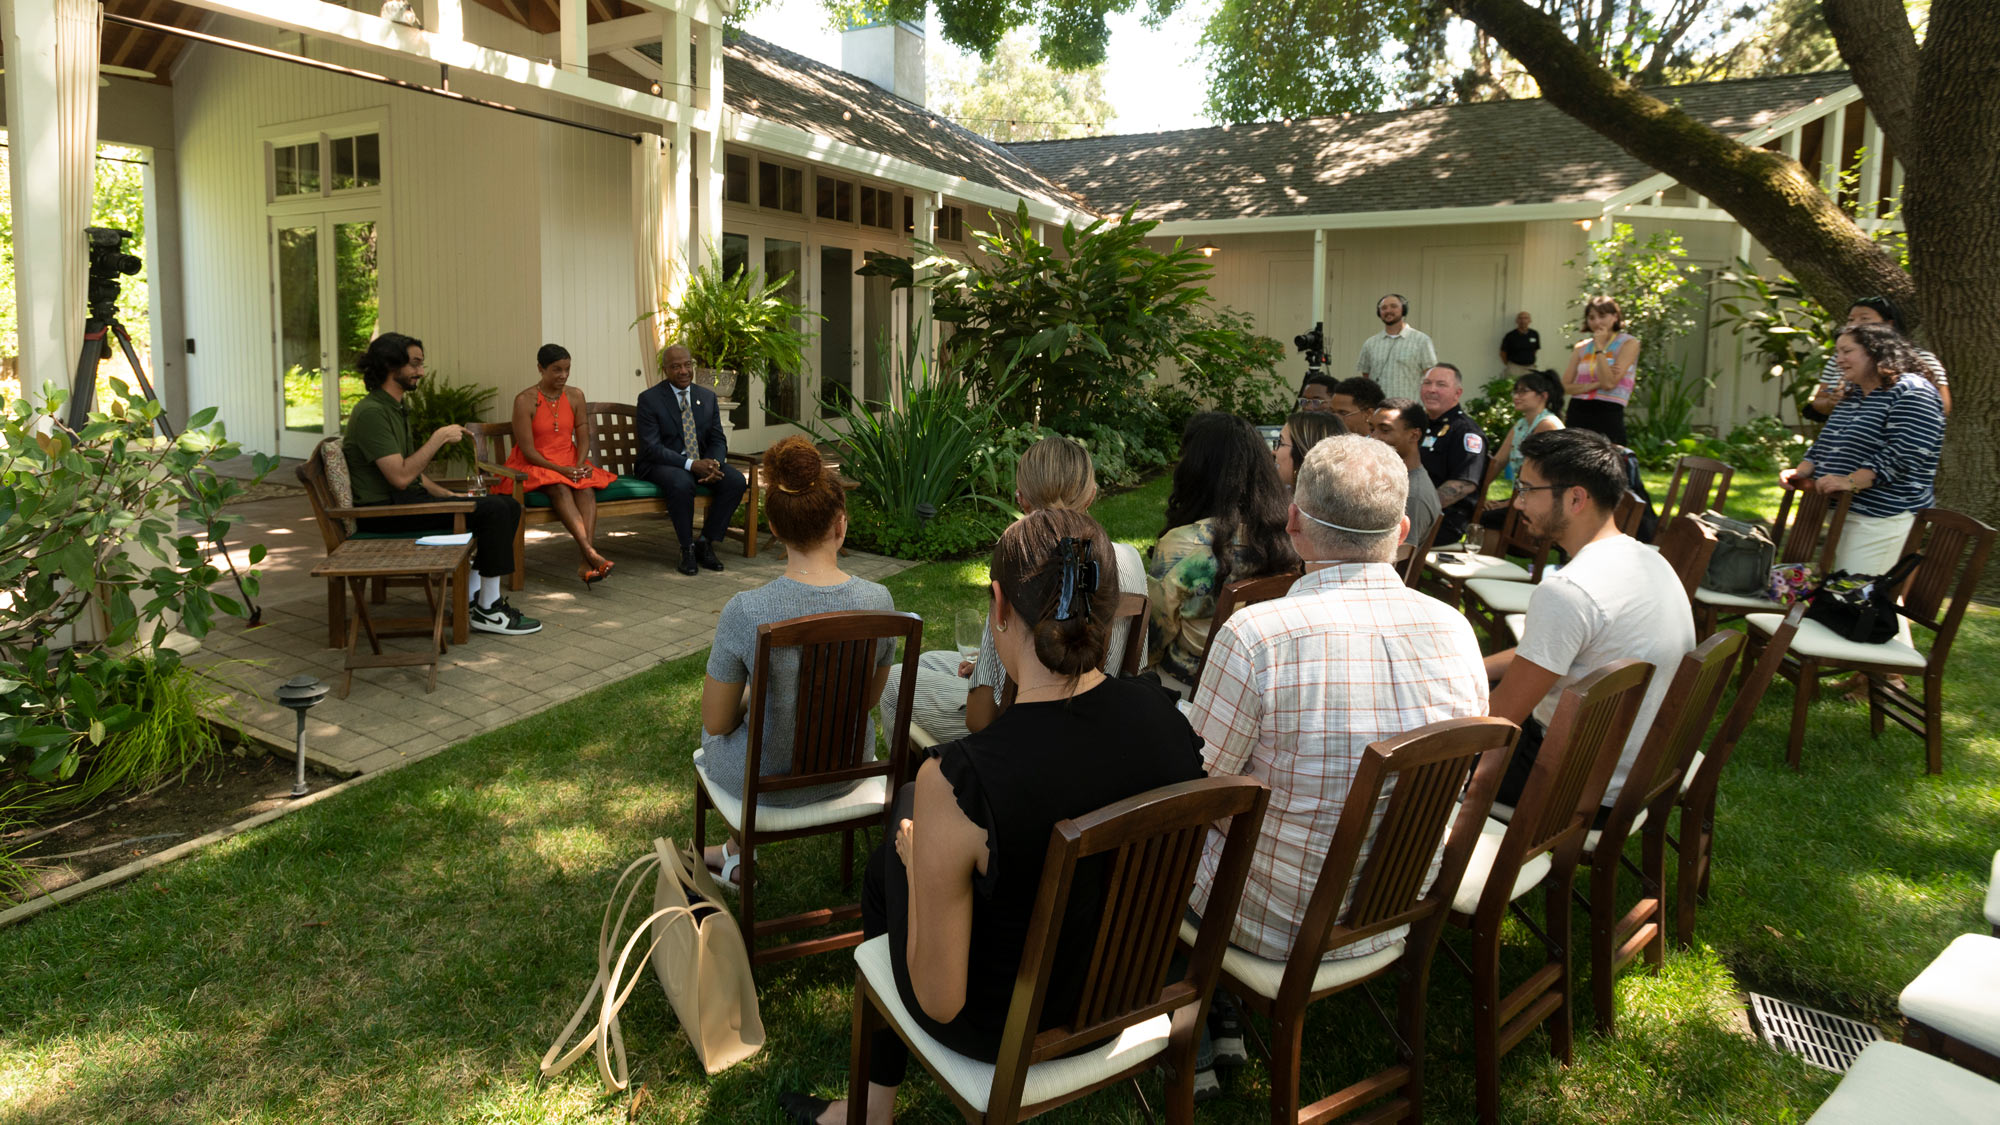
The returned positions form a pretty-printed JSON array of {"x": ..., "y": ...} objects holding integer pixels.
[{"x": 1455, "y": 448}]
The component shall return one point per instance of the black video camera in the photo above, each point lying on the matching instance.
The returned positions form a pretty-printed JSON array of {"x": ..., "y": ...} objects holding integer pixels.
[
  {"x": 108, "y": 262},
  {"x": 1313, "y": 344}
]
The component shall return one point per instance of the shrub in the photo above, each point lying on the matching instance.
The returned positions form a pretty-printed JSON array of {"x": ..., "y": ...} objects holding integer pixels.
[
  {"x": 1791, "y": 331},
  {"x": 960, "y": 531},
  {"x": 1493, "y": 408},
  {"x": 437, "y": 401}
]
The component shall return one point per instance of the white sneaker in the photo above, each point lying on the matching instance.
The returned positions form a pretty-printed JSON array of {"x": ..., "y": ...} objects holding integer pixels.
[{"x": 502, "y": 618}]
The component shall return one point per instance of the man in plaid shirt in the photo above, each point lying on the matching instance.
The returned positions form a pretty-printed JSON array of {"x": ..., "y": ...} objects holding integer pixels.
[{"x": 1296, "y": 688}]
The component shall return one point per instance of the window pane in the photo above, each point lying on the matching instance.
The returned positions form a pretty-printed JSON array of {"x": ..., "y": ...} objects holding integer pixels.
[
  {"x": 843, "y": 201},
  {"x": 309, "y": 168},
  {"x": 767, "y": 184},
  {"x": 868, "y": 206},
  {"x": 356, "y": 304},
  {"x": 736, "y": 178},
  {"x": 781, "y": 388},
  {"x": 735, "y": 253},
  {"x": 795, "y": 191},
  {"x": 836, "y": 332},
  {"x": 343, "y": 163},
  {"x": 298, "y": 329},
  {"x": 285, "y": 165},
  {"x": 368, "y": 160},
  {"x": 909, "y": 214},
  {"x": 878, "y": 349},
  {"x": 823, "y": 197}
]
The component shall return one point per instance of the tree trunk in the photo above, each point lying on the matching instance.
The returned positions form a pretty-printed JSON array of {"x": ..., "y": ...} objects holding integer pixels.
[{"x": 1880, "y": 50}]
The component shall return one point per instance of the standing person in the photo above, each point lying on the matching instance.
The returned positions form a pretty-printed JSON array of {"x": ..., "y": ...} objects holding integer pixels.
[
  {"x": 682, "y": 445},
  {"x": 1300, "y": 433},
  {"x": 1316, "y": 392},
  {"x": 1400, "y": 424},
  {"x": 1225, "y": 520},
  {"x": 1873, "y": 310},
  {"x": 1354, "y": 401},
  {"x": 1519, "y": 348},
  {"x": 1397, "y": 356},
  {"x": 387, "y": 466},
  {"x": 552, "y": 445},
  {"x": 1882, "y": 443},
  {"x": 1454, "y": 450},
  {"x": 1602, "y": 371}
]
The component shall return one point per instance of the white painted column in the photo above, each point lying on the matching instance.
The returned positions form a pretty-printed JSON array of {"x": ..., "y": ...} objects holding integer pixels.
[
  {"x": 679, "y": 74},
  {"x": 649, "y": 251},
  {"x": 1319, "y": 275},
  {"x": 1831, "y": 136},
  {"x": 573, "y": 35},
  {"x": 1871, "y": 171},
  {"x": 928, "y": 205},
  {"x": 444, "y": 18},
  {"x": 708, "y": 163},
  {"x": 51, "y": 83}
]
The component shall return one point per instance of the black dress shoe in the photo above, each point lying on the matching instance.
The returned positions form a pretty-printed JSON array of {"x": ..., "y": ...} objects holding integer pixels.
[
  {"x": 687, "y": 561},
  {"x": 704, "y": 553},
  {"x": 802, "y": 1109}
]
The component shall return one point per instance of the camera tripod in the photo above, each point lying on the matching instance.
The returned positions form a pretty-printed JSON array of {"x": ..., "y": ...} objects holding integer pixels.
[{"x": 84, "y": 389}]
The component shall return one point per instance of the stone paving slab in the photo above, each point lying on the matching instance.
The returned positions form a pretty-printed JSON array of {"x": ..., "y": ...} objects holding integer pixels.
[{"x": 645, "y": 613}]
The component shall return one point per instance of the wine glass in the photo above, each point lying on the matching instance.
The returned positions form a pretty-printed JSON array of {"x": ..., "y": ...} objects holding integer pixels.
[{"x": 968, "y": 628}]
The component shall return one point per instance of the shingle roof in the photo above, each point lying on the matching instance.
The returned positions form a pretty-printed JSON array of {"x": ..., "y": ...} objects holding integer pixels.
[
  {"x": 1484, "y": 155},
  {"x": 764, "y": 79}
]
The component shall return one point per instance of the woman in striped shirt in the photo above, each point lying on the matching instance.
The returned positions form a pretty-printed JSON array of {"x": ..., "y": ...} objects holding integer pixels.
[
  {"x": 1873, "y": 310},
  {"x": 1881, "y": 442}
]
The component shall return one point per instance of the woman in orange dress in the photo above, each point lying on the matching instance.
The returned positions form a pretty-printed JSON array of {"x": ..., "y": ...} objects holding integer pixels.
[{"x": 556, "y": 460}]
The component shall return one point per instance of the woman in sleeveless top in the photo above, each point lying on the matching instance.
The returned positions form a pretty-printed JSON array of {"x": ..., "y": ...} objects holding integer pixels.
[
  {"x": 1538, "y": 402},
  {"x": 552, "y": 442},
  {"x": 1602, "y": 371},
  {"x": 955, "y": 890}
]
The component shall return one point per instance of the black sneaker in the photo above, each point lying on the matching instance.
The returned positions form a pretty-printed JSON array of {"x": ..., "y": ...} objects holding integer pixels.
[
  {"x": 1225, "y": 1032},
  {"x": 502, "y": 618}
]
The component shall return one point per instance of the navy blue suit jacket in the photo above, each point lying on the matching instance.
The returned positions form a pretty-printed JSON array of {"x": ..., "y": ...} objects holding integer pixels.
[{"x": 661, "y": 441}]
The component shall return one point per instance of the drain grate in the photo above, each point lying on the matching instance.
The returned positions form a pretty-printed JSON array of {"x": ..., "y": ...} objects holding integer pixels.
[{"x": 1822, "y": 1039}]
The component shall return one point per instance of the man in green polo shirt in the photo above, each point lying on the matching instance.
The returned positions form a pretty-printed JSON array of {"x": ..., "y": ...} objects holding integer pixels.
[{"x": 387, "y": 466}]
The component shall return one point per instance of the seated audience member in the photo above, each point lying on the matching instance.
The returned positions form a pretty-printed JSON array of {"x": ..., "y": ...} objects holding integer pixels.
[
  {"x": 556, "y": 459},
  {"x": 1355, "y": 400},
  {"x": 1296, "y": 688},
  {"x": 1454, "y": 450},
  {"x": 1296, "y": 438},
  {"x": 682, "y": 446},
  {"x": 386, "y": 466},
  {"x": 1225, "y": 521},
  {"x": 1538, "y": 404},
  {"x": 1316, "y": 392},
  {"x": 1613, "y": 600},
  {"x": 1401, "y": 423},
  {"x": 955, "y": 696},
  {"x": 808, "y": 513},
  {"x": 955, "y": 891}
]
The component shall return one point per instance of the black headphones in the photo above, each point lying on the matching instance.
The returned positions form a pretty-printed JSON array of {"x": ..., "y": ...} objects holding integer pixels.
[{"x": 1399, "y": 297}]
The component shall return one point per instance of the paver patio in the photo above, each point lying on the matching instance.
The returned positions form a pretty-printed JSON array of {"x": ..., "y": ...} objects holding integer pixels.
[{"x": 645, "y": 613}]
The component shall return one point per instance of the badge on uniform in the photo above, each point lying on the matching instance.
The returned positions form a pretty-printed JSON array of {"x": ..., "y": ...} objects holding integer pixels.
[
  {"x": 1430, "y": 440},
  {"x": 1474, "y": 443}
]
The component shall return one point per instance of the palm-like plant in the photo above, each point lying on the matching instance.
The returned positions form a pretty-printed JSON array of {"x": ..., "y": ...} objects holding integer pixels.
[{"x": 739, "y": 321}]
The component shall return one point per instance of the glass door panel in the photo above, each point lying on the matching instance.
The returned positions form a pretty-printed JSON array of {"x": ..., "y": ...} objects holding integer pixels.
[
  {"x": 782, "y": 388},
  {"x": 302, "y": 383},
  {"x": 357, "y": 307},
  {"x": 878, "y": 340},
  {"x": 736, "y": 259},
  {"x": 328, "y": 294},
  {"x": 836, "y": 337}
]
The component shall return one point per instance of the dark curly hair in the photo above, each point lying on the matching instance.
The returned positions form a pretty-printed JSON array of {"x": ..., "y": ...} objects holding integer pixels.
[
  {"x": 388, "y": 352},
  {"x": 1226, "y": 474},
  {"x": 1894, "y": 356}
]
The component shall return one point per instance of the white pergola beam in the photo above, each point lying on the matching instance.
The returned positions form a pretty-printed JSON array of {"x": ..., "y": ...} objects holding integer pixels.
[
  {"x": 627, "y": 31},
  {"x": 443, "y": 18},
  {"x": 573, "y": 35}
]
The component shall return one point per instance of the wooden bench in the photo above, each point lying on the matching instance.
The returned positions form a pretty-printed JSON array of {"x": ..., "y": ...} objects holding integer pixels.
[{"x": 615, "y": 448}]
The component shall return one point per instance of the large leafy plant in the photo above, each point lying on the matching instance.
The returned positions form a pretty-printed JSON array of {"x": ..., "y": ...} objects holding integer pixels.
[
  {"x": 1790, "y": 330},
  {"x": 740, "y": 321},
  {"x": 436, "y": 402}
]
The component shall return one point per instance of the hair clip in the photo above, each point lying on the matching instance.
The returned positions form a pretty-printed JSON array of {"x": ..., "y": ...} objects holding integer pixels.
[{"x": 1079, "y": 575}]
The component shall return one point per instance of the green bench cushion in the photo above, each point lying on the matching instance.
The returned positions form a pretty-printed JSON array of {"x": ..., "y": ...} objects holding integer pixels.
[{"x": 624, "y": 488}]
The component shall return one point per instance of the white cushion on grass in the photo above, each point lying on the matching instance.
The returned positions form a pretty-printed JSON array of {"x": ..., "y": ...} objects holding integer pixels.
[
  {"x": 921, "y": 738},
  {"x": 972, "y": 1079},
  {"x": 1717, "y": 598},
  {"x": 1959, "y": 993},
  {"x": 1590, "y": 839},
  {"x": 1264, "y": 976},
  {"x": 1480, "y": 868},
  {"x": 1477, "y": 566},
  {"x": 1993, "y": 894},
  {"x": 1500, "y": 595},
  {"x": 1821, "y": 643},
  {"x": 871, "y": 796},
  {"x": 1894, "y": 1083},
  {"x": 1517, "y": 624}
]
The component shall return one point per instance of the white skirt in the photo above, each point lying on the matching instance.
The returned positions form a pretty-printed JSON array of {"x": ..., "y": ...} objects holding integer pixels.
[{"x": 1872, "y": 544}]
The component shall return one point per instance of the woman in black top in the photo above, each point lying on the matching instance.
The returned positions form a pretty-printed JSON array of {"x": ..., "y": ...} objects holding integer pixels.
[{"x": 956, "y": 890}]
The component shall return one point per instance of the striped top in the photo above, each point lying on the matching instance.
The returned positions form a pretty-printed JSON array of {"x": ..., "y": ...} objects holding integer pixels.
[
  {"x": 1898, "y": 432},
  {"x": 1598, "y": 364}
]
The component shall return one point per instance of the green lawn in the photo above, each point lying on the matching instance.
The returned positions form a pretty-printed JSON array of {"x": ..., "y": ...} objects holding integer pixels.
[{"x": 403, "y": 953}]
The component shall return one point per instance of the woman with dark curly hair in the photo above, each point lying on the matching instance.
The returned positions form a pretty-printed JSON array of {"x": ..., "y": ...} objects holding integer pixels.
[
  {"x": 1225, "y": 521},
  {"x": 1873, "y": 310},
  {"x": 1881, "y": 442}
]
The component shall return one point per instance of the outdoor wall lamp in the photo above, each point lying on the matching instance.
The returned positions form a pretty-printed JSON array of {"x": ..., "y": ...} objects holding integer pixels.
[
  {"x": 1207, "y": 249},
  {"x": 1584, "y": 224},
  {"x": 300, "y": 694}
]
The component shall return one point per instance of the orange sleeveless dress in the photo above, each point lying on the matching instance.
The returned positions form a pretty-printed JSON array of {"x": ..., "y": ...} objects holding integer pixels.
[{"x": 555, "y": 438}]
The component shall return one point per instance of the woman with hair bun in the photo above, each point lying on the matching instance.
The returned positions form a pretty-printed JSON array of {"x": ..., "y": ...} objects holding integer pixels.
[
  {"x": 808, "y": 512},
  {"x": 552, "y": 443},
  {"x": 955, "y": 696},
  {"x": 955, "y": 891}
]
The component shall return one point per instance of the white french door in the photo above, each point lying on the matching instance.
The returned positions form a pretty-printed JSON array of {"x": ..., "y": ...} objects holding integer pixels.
[{"x": 327, "y": 296}]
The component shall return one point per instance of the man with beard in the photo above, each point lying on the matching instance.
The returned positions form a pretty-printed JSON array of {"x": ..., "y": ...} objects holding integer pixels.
[
  {"x": 1397, "y": 356},
  {"x": 1614, "y": 599}
]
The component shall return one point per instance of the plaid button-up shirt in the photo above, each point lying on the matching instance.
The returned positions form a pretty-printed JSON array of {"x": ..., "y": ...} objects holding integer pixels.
[{"x": 1294, "y": 691}]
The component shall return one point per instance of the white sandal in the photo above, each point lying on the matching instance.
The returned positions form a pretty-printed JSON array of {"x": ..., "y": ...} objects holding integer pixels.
[{"x": 726, "y": 877}]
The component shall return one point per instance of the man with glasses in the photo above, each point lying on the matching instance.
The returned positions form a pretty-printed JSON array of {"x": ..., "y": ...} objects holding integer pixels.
[
  {"x": 1613, "y": 600},
  {"x": 1316, "y": 392},
  {"x": 1354, "y": 402}
]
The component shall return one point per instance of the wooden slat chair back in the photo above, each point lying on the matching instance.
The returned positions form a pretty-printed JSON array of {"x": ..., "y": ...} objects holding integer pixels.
[
  {"x": 838, "y": 659},
  {"x": 1147, "y": 850},
  {"x": 1806, "y": 530},
  {"x": 1687, "y": 544},
  {"x": 1651, "y": 788},
  {"x": 1695, "y": 846},
  {"x": 1129, "y": 623},
  {"x": 1579, "y": 750},
  {"x": 1630, "y": 513},
  {"x": 1410, "y": 798},
  {"x": 1236, "y": 595},
  {"x": 1699, "y": 484},
  {"x": 1411, "y": 565},
  {"x": 335, "y": 528},
  {"x": 1493, "y": 467}
]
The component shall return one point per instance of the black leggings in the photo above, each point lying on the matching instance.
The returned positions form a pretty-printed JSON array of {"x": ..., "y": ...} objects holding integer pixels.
[
  {"x": 1607, "y": 418},
  {"x": 492, "y": 522}
]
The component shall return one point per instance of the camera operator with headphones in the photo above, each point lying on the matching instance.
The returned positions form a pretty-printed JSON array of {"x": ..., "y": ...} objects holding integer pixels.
[{"x": 1396, "y": 357}]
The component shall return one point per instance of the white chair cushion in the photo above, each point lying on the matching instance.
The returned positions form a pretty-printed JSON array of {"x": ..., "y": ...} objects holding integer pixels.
[
  {"x": 1480, "y": 867},
  {"x": 1720, "y": 600},
  {"x": 921, "y": 738},
  {"x": 1264, "y": 976},
  {"x": 871, "y": 796},
  {"x": 1694, "y": 768},
  {"x": 1816, "y": 640},
  {"x": 1993, "y": 894},
  {"x": 1502, "y": 596},
  {"x": 1891, "y": 1082},
  {"x": 1517, "y": 624},
  {"x": 1959, "y": 993},
  {"x": 1590, "y": 839},
  {"x": 972, "y": 1079},
  {"x": 1476, "y": 566}
]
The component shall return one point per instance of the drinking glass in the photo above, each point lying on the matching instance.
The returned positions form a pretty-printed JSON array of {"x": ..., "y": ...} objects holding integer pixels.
[{"x": 968, "y": 627}]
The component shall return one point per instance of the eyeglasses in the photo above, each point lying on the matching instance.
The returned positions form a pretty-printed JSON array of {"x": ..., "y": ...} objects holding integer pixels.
[{"x": 1522, "y": 489}]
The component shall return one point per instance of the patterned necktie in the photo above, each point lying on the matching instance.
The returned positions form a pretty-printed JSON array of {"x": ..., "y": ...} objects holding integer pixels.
[{"x": 688, "y": 442}]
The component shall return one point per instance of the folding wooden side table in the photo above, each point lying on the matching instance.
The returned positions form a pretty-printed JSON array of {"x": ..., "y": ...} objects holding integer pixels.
[{"x": 358, "y": 560}]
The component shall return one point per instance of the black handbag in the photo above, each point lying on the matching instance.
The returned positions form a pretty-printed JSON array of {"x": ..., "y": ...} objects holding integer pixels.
[{"x": 1861, "y": 607}]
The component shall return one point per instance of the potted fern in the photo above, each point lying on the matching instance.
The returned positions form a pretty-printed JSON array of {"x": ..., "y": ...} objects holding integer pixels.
[{"x": 737, "y": 324}]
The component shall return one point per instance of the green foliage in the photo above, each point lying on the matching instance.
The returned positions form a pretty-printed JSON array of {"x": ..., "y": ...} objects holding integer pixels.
[
  {"x": 1270, "y": 58},
  {"x": 1013, "y": 96},
  {"x": 172, "y": 736},
  {"x": 1493, "y": 408},
  {"x": 79, "y": 515},
  {"x": 437, "y": 401},
  {"x": 739, "y": 322},
  {"x": 1790, "y": 331},
  {"x": 1227, "y": 366},
  {"x": 1662, "y": 410},
  {"x": 1652, "y": 285},
  {"x": 961, "y": 531}
]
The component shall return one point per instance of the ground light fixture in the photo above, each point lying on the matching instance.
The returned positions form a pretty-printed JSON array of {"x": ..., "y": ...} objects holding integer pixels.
[{"x": 300, "y": 694}]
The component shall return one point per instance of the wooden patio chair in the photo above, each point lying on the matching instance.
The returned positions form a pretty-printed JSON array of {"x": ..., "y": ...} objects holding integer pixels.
[
  {"x": 830, "y": 745},
  {"x": 1948, "y": 1011},
  {"x": 1694, "y": 847},
  {"x": 1803, "y": 513},
  {"x": 1449, "y": 572},
  {"x": 1699, "y": 484},
  {"x": 332, "y": 501},
  {"x": 1236, "y": 595},
  {"x": 1410, "y": 557},
  {"x": 1687, "y": 544},
  {"x": 1955, "y": 547},
  {"x": 1651, "y": 787},
  {"x": 1539, "y": 846},
  {"x": 1416, "y": 781},
  {"x": 1134, "y": 1014}
]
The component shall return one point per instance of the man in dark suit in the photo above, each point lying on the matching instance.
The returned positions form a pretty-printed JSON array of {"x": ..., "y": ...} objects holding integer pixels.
[{"x": 682, "y": 445}]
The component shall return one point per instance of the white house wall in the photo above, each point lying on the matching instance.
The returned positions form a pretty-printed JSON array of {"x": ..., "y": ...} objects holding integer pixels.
[{"x": 586, "y": 261}]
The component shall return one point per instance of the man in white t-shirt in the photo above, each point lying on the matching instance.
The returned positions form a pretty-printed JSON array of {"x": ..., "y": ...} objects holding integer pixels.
[{"x": 1613, "y": 600}]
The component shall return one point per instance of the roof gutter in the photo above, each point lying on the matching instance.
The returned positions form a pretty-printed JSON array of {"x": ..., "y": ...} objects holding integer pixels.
[{"x": 1352, "y": 220}]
